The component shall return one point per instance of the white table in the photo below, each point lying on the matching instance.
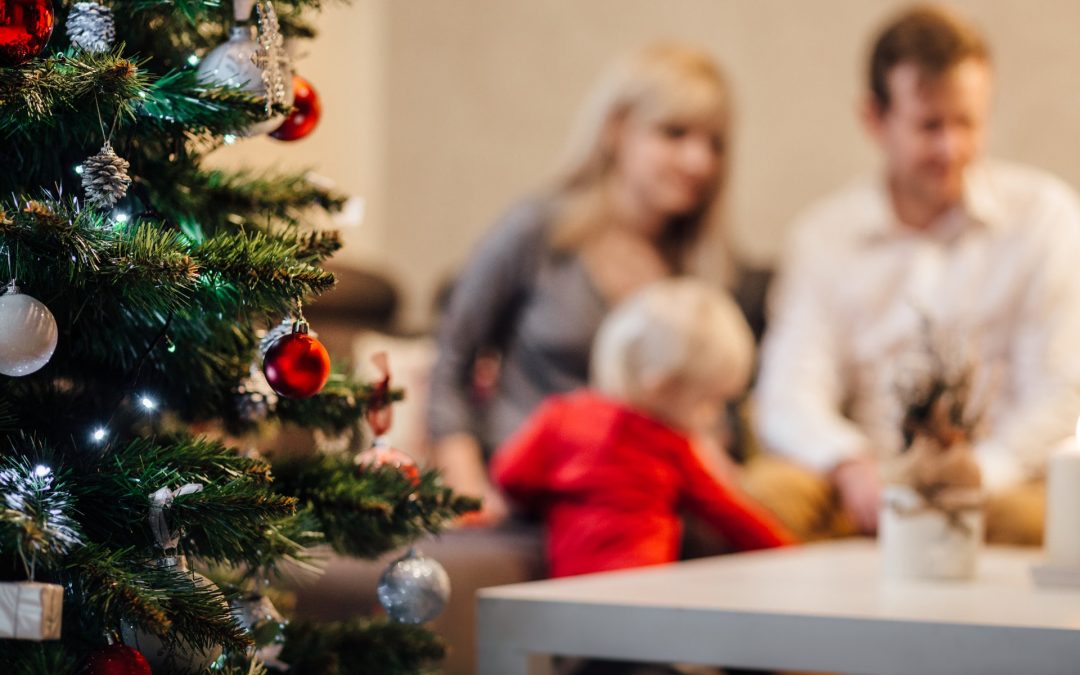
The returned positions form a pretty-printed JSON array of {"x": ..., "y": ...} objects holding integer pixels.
[{"x": 819, "y": 607}]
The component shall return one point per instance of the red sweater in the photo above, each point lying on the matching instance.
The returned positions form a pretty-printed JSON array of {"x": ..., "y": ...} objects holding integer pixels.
[{"x": 609, "y": 482}]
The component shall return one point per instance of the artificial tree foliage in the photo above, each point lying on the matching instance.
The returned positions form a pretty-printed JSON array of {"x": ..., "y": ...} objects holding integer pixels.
[{"x": 168, "y": 293}]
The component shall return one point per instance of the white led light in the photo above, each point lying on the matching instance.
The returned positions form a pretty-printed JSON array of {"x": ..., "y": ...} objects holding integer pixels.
[
  {"x": 98, "y": 434},
  {"x": 121, "y": 217},
  {"x": 229, "y": 139},
  {"x": 147, "y": 402},
  {"x": 41, "y": 471},
  {"x": 193, "y": 60},
  {"x": 78, "y": 169}
]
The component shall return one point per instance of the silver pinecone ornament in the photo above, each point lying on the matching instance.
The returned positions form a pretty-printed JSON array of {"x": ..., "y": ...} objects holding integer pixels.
[
  {"x": 105, "y": 177},
  {"x": 91, "y": 27}
]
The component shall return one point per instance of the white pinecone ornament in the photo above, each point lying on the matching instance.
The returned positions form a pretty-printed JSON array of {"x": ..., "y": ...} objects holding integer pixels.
[
  {"x": 90, "y": 26},
  {"x": 105, "y": 178}
]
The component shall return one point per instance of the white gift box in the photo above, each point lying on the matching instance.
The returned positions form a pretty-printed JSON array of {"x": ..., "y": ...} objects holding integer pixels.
[
  {"x": 919, "y": 542},
  {"x": 30, "y": 611}
]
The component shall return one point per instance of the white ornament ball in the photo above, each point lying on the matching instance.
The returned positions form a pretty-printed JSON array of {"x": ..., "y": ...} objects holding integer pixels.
[
  {"x": 27, "y": 334},
  {"x": 181, "y": 657},
  {"x": 414, "y": 588},
  {"x": 233, "y": 64}
]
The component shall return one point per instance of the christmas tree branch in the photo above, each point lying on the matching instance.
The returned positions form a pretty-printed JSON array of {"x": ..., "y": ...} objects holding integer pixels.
[
  {"x": 148, "y": 268},
  {"x": 282, "y": 196},
  {"x": 64, "y": 89},
  {"x": 177, "y": 101},
  {"x": 199, "y": 612},
  {"x": 38, "y": 658},
  {"x": 118, "y": 493},
  {"x": 230, "y": 521},
  {"x": 289, "y": 540},
  {"x": 192, "y": 10},
  {"x": 37, "y": 519},
  {"x": 255, "y": 269},
  {"x": 367, "y": 512},
  {"x": 111, "y": 586},
  {"x": 357, "y": 647},
  {"x": 337, "y": 408},
  {"x": 317, "y": 245}
]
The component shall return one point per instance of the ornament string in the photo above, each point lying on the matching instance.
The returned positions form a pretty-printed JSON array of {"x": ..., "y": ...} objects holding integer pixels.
[{"x": 101, "y": 122}]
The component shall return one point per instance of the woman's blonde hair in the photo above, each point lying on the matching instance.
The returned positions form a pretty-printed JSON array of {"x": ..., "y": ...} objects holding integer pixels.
[
  {"x": 682, "y": 330},
  {"x": 663, "y": 82}
]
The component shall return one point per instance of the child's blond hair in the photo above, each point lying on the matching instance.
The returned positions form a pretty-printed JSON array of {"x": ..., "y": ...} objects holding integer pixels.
[{"x": 680, "y": 330}]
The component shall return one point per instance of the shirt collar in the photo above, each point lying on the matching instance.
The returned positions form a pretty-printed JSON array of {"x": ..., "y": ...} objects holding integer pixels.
[{"x": 979, "y": 207}]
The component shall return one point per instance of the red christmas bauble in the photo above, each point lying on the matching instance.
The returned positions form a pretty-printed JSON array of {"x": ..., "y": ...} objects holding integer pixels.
[
  {"x": 305, "y": 113},
  {"x": 296, "y": 365},
  {"x": 117, "y": 659},
  {"x": 25, "y": 27}
]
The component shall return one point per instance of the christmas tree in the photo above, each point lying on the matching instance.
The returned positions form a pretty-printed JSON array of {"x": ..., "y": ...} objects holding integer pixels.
[{"x": 145, "y": 299}]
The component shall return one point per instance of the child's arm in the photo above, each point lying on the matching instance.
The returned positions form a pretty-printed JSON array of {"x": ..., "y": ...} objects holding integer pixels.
[
  {"x": 745, "y": 524},
  {"x": 521, "y": 466}
]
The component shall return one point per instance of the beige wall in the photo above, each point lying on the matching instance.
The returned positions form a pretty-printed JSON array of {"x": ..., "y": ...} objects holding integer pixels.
[{"x": 442, "y": 112}]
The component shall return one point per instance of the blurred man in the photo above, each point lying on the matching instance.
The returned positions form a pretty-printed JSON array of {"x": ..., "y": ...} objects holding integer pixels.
[{"x": 981, "y": 253}]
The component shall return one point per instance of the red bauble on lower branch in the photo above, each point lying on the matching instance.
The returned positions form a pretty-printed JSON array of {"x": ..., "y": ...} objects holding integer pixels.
[
  {"x": 305, "y": 113},
  {"x": 116, "y": 660},
  {"x": 25, "y": 27},
  {"x": 296, "y": 365}
]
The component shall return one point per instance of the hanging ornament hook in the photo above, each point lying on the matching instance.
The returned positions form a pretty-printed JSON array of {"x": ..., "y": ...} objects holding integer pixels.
[{"x": 11, "y": 286}]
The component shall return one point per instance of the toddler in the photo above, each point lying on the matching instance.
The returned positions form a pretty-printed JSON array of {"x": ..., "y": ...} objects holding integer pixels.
[{"x": 610, "y": 467}]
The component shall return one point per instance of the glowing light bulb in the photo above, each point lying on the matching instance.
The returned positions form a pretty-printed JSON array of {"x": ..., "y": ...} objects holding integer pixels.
[
  {"x": 98, "y": 434},
  {"x": 41, "y": 471},
  {"x": 147, "y": 402}
]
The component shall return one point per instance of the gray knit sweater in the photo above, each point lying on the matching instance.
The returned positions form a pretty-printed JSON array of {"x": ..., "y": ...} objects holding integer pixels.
[{"x": 537, "y": 308}]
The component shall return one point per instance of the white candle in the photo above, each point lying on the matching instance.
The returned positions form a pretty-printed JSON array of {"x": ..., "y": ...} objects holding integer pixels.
[{"x": 1063, "y": 505}]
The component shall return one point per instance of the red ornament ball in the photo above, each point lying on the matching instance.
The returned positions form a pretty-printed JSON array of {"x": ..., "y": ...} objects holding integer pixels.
[
  {"x": 25, "y": 27},
  {"x": 117, "y": 659},
  {"x": 296, "y": 365},
  {"x": 305, "y": 113}
]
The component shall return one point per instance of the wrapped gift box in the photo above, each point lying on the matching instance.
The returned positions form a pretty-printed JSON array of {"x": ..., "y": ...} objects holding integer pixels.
[{"x": 30, "y": 611}]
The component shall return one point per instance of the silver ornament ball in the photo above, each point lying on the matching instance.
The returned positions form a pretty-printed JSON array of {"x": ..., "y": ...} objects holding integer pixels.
[
  {"x": 233, "y": 63},
  {"x": 414, "y": 588},
  {"x": 257, "y": 614},
  {"x": 28, "y": 333}
]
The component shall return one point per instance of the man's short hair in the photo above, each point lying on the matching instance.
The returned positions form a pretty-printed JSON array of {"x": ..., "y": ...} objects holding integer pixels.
[{"x": 932, "y": 38}]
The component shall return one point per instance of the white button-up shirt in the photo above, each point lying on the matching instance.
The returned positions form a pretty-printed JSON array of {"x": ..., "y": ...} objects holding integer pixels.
[{"x": 997, "y": 280}]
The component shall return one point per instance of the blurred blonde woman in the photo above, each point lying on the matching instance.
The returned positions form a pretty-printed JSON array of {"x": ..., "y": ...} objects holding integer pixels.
[{"x": 645, "y": 172}]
